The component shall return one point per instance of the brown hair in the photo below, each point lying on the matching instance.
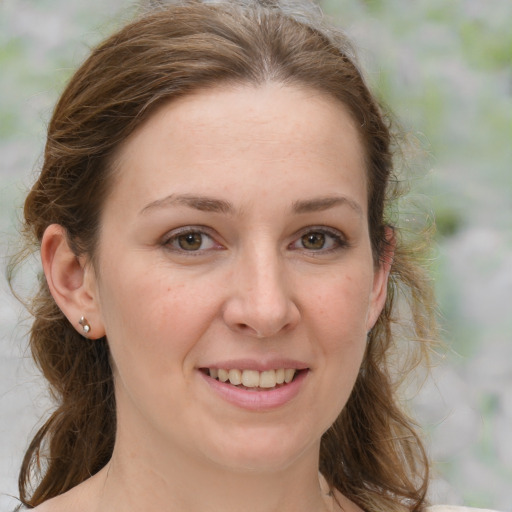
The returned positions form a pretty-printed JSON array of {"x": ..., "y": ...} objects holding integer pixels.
[{"x": 372, "y": 453}]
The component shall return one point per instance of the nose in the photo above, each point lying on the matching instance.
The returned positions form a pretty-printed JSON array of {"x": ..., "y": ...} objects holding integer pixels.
[{"x": 261, "y": 303}]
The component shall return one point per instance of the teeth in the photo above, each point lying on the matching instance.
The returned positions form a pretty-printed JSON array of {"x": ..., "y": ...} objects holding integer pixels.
[
  {"x": 235, "y": 377},
  {"x": 253, "y": 378},
  {"x": 288, "y": 375},
  {"x": 268, "y": 379},
  {"x": 250, "y": 378}
]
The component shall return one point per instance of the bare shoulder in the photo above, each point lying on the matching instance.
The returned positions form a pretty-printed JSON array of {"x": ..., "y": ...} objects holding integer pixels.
[
  {"x": 53, "y": 505},
  {"x": 44, "y": 507},
  {"x": 81, "y": 498},
  {"x": 71, "y": 501}
]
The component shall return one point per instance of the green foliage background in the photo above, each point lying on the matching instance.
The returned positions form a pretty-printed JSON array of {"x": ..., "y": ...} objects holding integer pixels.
[{"x": 445, "y": 68}]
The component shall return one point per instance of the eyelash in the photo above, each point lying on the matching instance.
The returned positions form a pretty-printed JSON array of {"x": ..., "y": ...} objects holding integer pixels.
[
  {"x": 338, "y": 240},
  {"x": 174, "y": 238}
]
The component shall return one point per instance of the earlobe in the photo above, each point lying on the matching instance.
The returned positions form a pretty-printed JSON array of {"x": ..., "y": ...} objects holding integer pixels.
[
  {"x": 70, "y": 283},
  {"x": 381, "y": 277}
]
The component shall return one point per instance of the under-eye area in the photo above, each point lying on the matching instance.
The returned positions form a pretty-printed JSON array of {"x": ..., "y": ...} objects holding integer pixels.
[{"x": 254, "y": 379}]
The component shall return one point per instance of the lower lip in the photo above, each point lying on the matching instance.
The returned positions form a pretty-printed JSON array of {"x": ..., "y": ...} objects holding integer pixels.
[{"x": 257, "y": 400}]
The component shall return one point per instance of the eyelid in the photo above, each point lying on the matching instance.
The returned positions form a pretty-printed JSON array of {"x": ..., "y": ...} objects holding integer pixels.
[
  {"x": 340, "y": 240},
  {"x": 172, "y": 235}
]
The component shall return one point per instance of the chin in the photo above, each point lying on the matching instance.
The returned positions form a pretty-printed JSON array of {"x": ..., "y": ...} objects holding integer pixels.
[{"x": 263, "y": 454}]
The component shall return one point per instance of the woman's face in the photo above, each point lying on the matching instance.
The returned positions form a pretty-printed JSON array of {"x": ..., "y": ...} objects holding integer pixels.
[{"x": 234, "y": 244}]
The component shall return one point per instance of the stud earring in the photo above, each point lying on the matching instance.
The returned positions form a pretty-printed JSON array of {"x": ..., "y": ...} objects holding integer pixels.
[{"x": 85, "y": 325}]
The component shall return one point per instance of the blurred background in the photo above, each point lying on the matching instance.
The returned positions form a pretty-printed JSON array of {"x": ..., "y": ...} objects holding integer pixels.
[{"x": 445, "y": 68}]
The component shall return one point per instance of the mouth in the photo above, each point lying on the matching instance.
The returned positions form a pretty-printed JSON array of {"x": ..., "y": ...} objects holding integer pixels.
[{"x": 254, "y": 380}]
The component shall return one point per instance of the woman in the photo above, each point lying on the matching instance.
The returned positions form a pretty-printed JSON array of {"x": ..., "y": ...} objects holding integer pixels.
[{"x": 218, "y": 313}]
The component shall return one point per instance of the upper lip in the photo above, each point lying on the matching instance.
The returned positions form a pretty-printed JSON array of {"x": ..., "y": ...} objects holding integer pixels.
[{"x": 260, "y": 365}]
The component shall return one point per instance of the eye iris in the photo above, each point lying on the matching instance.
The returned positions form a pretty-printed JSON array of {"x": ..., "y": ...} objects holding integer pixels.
[
  {"x": 313, "y": 241},
  {"x": 190, "y": 241}
]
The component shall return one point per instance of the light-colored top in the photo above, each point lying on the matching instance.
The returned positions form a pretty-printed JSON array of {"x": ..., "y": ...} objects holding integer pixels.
[{"x": 453, "y": 508}]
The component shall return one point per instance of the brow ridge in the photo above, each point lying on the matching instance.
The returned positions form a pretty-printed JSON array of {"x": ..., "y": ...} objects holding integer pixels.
[
  {"x": 214, "y": 205},
  {"x": 202, "y": 203},
  {"x": 325, "y": 203}
]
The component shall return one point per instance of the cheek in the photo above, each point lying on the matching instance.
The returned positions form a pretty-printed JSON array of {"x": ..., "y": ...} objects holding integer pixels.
[
  {"x": 153, "y": 315},
  {"x": 341, "y": 306},
  {"x": 338, "y": 318},
  {"x": 338, "y": 315}
]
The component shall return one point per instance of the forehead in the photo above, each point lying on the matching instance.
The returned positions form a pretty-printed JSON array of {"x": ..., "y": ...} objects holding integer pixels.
[{"x": 218, "y": 138}]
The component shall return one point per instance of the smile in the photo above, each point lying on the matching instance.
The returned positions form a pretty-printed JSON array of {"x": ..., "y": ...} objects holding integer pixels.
[
  {"x": 256, "y": 390},
  {"x": 267, "y": 379}
]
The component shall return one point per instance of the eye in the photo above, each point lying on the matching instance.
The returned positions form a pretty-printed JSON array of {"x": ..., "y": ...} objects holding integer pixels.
[
  {"x": 190, "y": 240},
  {"x": 313, "y": 241},
  {"x": 320, "y": 240}
]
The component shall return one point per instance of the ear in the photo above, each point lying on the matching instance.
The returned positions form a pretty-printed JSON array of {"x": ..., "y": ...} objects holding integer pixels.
[
  {"x": 380, "y": 278},
  {"x": 71, "y": 281}
]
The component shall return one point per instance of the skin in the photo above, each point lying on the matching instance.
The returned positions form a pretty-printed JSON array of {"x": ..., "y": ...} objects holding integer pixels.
[{"x": 281, "y": 272}]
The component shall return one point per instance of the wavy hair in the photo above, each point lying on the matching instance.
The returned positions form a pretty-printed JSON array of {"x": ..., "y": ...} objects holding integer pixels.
[{"x": 372, "y": 453}]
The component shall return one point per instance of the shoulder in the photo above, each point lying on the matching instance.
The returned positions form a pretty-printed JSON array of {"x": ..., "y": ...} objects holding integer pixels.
[{"x": 453, "y": 508}]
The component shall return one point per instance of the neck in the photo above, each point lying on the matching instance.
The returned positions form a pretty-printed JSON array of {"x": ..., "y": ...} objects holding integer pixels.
[{"x": 172, "y": 482}]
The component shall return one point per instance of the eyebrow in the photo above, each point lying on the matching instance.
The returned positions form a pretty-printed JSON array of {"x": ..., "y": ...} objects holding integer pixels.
[
  {"x": 325, "y": 203},
  {"x": 214, "y": 205},
  {"x": 202, "y": 203}
]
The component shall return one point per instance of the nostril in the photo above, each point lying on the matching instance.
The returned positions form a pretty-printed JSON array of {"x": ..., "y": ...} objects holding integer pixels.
[
  {"x": 247, "y": 329},
  {"x": 244, "y": 327}
]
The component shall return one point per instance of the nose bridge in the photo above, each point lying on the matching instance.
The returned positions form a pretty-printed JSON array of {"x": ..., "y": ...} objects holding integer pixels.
[
  {"x": 262, "y": 303},
  {"x": 266, "y": 280}
]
